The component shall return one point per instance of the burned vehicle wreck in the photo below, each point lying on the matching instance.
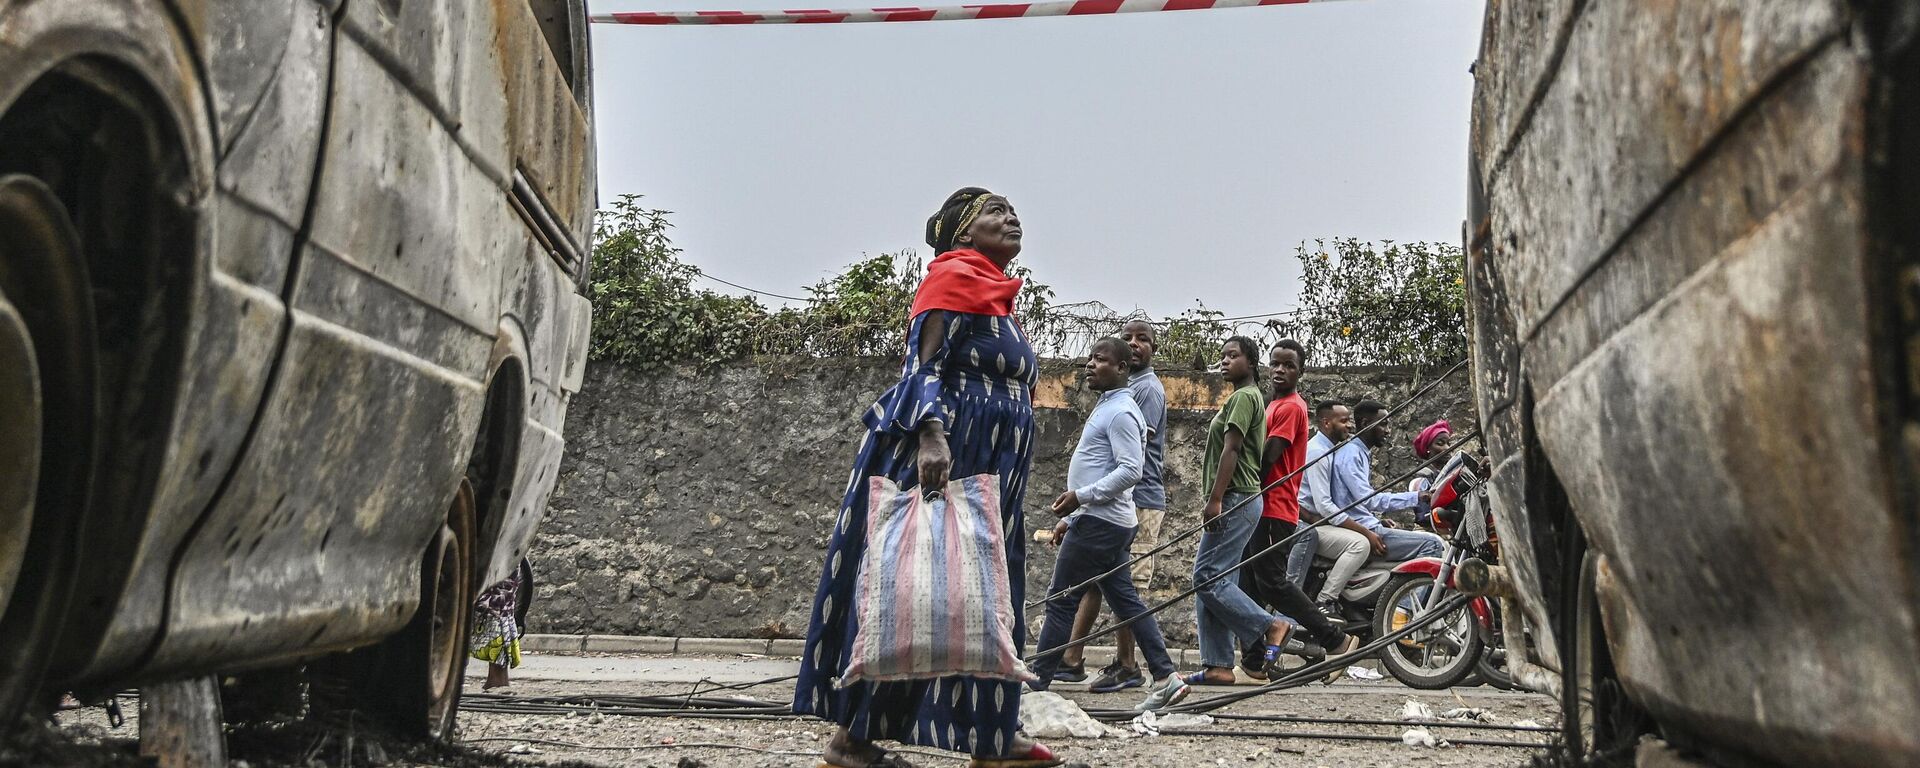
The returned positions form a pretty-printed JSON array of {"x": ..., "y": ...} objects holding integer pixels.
[
  {"x": 1694, "y": 293},
  {"x": 290, "y": 312}
]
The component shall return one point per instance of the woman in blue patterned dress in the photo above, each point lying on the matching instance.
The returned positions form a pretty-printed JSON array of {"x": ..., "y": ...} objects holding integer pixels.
[{"x": 963, "y": 407}]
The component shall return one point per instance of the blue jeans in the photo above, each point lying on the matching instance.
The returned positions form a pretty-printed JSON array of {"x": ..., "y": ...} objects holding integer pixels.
[
  {"x": 1407, "y": 545},
  {"x": 1223, "y": 610},
  {"x": 1094, "y": 546},
  {"x": 1300, "y": 559}
]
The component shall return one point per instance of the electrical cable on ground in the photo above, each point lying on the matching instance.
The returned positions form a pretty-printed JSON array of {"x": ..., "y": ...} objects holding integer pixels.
[
  {"x": 670, "y": 706},
  {"x": 694, "y": 705},
  {"x": 658, "y": 706},
  {"x": 1302, "y": 676},
  {"x": 614, "y": 748},
  {"x": 1366, "y": 721},
  {"x": 1345, "y": 737},
  {"x": 696, "y": 745},
  {"x": 1176, "y": 538}
]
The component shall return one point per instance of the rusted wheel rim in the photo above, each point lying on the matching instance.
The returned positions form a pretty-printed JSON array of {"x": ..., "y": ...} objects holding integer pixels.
[
  {"x": 447, "y": 641},
  {"x": 19, "y": 443}
]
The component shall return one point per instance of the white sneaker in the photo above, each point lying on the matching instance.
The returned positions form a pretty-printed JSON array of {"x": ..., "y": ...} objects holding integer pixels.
[{"x": 1165, "y": 694}]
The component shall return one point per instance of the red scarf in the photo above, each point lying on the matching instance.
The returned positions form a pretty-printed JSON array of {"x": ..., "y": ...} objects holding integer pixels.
[{"x": 966, "y": 281}]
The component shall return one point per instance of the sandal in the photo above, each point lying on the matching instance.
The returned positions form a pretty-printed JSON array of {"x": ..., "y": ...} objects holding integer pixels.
[
  {"x": 1200, "y": 678},
  {"x": 1037, "y": 756},
  {"x": 1253, "y": 664}
]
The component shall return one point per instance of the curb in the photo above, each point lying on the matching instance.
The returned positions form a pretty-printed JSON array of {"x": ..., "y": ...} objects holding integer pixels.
[{"x": 727, "y": 646}]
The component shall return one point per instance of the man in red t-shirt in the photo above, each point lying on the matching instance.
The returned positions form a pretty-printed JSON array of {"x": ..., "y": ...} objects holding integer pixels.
[{"x": 1265, "y": 579}]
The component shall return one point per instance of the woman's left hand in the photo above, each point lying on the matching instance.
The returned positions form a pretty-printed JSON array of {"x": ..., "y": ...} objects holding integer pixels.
[{"x": 934, "y": 457}]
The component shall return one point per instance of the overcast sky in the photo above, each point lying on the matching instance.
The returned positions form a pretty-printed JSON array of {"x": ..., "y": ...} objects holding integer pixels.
[{"x": 1155, "y": 159}]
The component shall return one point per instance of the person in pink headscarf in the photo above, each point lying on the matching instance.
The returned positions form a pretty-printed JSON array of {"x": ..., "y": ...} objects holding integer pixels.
[{"x": 1436, "y": 438}]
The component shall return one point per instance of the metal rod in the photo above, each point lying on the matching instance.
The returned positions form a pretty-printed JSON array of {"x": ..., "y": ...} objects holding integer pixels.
[
  {"x": 1342, "y": 737},
  {"x": 1371, "y": 721}
]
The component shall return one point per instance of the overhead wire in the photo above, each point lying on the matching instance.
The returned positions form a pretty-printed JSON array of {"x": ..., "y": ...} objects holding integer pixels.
[{"x": 703, "y": 273}]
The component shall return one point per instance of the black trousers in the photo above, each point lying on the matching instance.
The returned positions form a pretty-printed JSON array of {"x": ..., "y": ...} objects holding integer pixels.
[{"x": 1265, "y": 580}]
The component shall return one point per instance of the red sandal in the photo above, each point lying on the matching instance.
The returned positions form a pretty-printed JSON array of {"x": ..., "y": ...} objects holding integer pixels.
[{"x": 1037, "y": 756}]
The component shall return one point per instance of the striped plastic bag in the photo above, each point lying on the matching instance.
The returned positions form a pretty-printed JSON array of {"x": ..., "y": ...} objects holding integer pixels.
[{"x": 932, "y": 591}]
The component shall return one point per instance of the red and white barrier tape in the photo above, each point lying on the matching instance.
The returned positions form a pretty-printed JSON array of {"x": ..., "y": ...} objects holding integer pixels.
[{"x": 946, "y": 13}]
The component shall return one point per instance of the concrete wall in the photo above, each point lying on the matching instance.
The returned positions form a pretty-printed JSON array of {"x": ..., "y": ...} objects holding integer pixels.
[{"x": 697, "y": 503}]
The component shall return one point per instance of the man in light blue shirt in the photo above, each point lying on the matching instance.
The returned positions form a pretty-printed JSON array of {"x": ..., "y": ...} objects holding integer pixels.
[
  {"x": 1150, "y": 508},
  {"x": 1341, "y": 539},
  {"x": 1353, "y": 480},
  {"x": 1098, "y": 521}
]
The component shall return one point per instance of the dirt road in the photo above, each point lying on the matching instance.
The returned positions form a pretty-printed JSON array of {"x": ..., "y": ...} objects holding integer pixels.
[
  {"x": 630, "y": 741},
  {"x": 609, "y": 740}
]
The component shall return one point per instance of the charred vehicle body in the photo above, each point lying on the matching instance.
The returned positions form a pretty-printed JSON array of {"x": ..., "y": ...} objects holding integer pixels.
[
  {"x": 1693, "y": 284},
  {"x": 290, "y": 312}
]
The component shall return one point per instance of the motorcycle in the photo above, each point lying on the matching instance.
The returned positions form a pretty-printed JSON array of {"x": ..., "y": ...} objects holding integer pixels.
[
  {"x": 1386, "y": 595},
  {"x": 1467, "y": 642}
]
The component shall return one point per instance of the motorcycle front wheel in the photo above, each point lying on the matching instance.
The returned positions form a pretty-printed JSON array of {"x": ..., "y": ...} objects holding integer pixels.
[{"x": 1439, "y": 655}]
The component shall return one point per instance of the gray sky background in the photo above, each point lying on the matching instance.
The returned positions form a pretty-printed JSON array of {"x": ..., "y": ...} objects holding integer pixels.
[{"x": 1156, "y": 159}]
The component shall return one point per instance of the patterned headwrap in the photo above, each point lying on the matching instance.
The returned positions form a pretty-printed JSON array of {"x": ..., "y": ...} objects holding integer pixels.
[{"x": 954, "y": 217}]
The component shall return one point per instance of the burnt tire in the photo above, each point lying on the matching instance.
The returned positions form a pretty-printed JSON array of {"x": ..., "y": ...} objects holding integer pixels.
[
  {"x": 411, "y": 682},
  {"x": 1491, "y": 669},
  {"x": 49, "y": 353},
  {"x": 1600, "y": 725},
  {"x": 1437, "y": 657},
  {"x": 523, "y": 601}
]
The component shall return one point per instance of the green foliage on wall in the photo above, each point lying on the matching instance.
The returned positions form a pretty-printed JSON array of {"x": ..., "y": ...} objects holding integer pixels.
[
  {"x": 1360, "y": 304},
  {"x": 648, "y": 311},
  {"x": 1386, "y": 304}
]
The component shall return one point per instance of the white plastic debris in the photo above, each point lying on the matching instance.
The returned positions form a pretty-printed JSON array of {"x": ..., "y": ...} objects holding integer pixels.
[
  {"x": 1475, "y": 714},
  {"x": 1419, "y": 737},
  {"x": 1415, "y": 710},
  {"x": 1525, "y": 724},
  {"x": 1362, "y": 673},
  {"x": 1047, "y": 715},
  {"x": 1185, "y": 720},
  {"x": 1150, "y": 724},
  {"x": 522, "y": 749}
]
